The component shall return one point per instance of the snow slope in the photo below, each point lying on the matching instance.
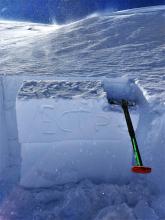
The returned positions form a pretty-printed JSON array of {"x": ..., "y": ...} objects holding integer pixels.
[{"x": 129, "y": 43}]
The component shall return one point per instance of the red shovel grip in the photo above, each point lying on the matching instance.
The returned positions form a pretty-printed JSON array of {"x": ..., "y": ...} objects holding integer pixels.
[{"x": 141, "y": 169}]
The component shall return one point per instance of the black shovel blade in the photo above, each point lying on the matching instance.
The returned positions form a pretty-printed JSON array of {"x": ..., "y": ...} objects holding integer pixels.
[{"x": 130, "y": 103}]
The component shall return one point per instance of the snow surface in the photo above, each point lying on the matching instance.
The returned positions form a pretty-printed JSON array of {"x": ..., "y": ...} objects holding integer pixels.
[
  {"x": 130, "y": 43},
  {"x": 61, "y": 89}
]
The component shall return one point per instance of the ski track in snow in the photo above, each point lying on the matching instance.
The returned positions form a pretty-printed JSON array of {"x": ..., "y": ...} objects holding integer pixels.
[{"x": 131, "y": 43}]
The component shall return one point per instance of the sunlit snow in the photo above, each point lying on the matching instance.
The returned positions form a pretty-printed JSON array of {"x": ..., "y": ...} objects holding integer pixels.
[{"x": 126, "y": 46}]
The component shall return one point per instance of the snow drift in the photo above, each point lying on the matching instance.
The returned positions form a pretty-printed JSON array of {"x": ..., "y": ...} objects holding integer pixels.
[{"x": 62, "y": 11}]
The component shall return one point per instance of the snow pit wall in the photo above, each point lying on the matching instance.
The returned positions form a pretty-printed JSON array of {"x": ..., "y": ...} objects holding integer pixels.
[
  {"x": 70, "y": 133},
  {"x": 11, "y": 149},
  {"x": 3, "y": 134}
]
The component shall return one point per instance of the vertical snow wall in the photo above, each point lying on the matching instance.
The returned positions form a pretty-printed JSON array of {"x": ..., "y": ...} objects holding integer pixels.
[
  {"x": 68, "y": 133},
  {"x": 3, "y": 134},
  {"x": 9, "y": 144},
  {"x": 10, "y": 149}
]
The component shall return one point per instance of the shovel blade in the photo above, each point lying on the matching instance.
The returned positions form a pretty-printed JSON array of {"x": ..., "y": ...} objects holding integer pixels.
[{"x": 130, "y": 103}]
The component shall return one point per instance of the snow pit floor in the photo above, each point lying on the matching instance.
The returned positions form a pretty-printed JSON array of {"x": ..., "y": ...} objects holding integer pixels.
[{"x": 85, "y": 201}]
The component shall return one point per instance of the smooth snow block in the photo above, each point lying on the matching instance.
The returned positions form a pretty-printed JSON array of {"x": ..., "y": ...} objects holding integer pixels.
[
  {"x": 67, "y": 133},
  {"x": 58, "y": 163}
]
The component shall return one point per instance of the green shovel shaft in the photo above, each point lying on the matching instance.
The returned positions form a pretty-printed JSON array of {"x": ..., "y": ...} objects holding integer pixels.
[
  {"x": 132, "y": 133},
  {"x": 136, "y": 152}
]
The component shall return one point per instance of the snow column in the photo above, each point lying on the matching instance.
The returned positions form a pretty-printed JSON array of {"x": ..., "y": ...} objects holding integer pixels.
[
  {"x": 68, "y": 132},
  {"x": 3, "y": 135}
]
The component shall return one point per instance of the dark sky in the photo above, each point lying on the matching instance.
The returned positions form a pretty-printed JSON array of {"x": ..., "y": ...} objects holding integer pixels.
[{"x": 63, "y": 10}]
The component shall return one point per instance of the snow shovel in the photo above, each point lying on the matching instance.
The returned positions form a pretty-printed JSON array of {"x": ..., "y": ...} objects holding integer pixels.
[{"x": 139, "y": 168}]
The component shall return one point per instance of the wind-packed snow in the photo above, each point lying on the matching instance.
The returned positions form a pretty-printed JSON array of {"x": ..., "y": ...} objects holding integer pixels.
[
  {"x": 128, "y": 42},
  {"x": 129, "y": 45}
]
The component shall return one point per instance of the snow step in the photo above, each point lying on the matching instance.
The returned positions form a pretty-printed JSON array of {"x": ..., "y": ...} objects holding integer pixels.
[{"x": 67, "y": 134}]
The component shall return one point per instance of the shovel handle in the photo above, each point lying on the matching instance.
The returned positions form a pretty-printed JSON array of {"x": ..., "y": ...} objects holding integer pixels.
[{"x": 132, "y": 133}]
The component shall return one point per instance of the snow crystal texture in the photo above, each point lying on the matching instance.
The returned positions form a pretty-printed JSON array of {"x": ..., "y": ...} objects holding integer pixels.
[{"x": 61, "y": 89}]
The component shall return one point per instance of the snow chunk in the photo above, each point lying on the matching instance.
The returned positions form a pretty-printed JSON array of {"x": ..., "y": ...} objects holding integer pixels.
[
  {"x": 158, "y": 204},
  {"x": 124, "y": 88},
  {"x": 119, "y": 212},
  {"x": 143, "y": 211}
]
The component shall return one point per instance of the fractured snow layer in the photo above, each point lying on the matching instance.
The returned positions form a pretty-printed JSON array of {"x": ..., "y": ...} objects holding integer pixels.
[
  {"x": 68, "y": 132},
  {"x": 61, "y": 89}
]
